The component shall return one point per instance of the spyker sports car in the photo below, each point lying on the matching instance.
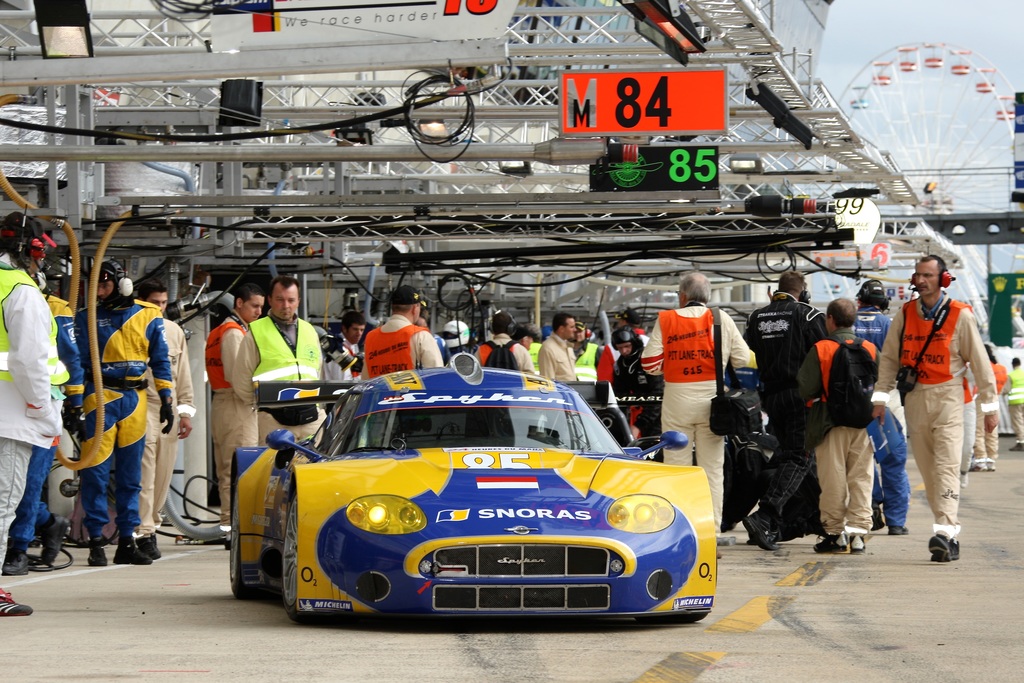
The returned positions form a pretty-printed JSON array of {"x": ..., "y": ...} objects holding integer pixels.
[{"x": 469, "y": 491}]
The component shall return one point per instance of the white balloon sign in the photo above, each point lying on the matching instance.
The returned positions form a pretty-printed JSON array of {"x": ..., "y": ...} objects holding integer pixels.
[{"x": 862, "y": 215}]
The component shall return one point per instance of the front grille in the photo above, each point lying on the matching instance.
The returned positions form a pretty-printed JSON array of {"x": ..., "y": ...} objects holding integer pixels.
[
  {"x": 535, "y": 560},
  {"x": 522, "y": 598}
]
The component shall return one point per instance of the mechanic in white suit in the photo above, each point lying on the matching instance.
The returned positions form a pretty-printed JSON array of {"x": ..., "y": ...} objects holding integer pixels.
[
  {"x": 30, "y": 372},
  {"x": 682, "y": 349}
]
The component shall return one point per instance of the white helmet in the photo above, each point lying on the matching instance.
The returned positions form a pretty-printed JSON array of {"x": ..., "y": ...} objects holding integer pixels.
[{"x": 455, "y": 334}]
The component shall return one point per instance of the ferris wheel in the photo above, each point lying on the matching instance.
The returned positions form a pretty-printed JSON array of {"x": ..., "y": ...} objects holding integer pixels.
[{"x": 946, "y": 115}]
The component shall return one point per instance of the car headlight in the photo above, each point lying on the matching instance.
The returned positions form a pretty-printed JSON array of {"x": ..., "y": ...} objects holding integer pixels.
[
  {"x": 641, "y": 514},
  {"x": 386, "y": 515}
]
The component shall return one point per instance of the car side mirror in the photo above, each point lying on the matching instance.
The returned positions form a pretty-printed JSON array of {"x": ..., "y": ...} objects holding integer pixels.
[{"x": 283, "y": 441}]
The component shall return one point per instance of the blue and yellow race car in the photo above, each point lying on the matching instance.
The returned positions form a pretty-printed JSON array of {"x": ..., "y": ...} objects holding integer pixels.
[{"x": 469, "y": 491}]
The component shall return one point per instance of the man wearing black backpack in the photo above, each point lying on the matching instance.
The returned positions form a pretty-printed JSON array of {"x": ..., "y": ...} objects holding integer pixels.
[
  {"x": 501, "y": 351},
  {"x": 839, "y": 375}
]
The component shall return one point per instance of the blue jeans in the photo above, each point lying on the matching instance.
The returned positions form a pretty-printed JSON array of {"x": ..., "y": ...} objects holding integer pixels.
[{"x": 32, "y": 512}]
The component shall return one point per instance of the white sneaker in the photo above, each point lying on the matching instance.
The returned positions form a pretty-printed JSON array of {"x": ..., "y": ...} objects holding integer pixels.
[
  {"x": 963, "y": 480},
  {"x": 856, "y": 544}
]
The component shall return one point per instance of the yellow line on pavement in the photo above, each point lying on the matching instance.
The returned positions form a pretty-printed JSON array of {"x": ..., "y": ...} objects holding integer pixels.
[
  {"x": 807, "y": 575},
  {"x": 919, "y": 487},
  {"x": 754, "y": 614},
  {"x": 680, "y": 667}
]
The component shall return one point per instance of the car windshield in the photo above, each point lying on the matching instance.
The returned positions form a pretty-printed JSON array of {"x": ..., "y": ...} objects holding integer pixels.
[{"x": 479, "y": 427}]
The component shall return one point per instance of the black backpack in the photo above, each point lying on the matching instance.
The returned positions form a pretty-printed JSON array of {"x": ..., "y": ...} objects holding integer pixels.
[
  {"x": 851, "y": 382},
  {"x": 501, "y": 356}
]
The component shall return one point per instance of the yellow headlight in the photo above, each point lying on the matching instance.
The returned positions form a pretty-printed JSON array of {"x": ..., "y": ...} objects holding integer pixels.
[
  {"x": 641, "y": 514},
  {"x": 386, "y": 515}
]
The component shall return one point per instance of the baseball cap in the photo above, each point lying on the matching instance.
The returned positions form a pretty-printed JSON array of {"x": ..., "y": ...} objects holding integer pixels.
[
  {"x": 630, "y": 316},
  {"x": 407, "y": 296}
]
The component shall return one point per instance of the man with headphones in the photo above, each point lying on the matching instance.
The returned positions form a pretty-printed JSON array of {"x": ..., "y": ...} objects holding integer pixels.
[
  {"x": 130, "y": 337},
  {"x": 503, "y": 327},
  {"x": 927, "y": 360},
  {"x": 30, "y": 372},
  {"x": 890, "y": 494},
  {"x": 781, "y": 335}
]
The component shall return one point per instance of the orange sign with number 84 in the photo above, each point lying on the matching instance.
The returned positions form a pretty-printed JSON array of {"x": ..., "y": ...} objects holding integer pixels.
[{"x": 687, "y": 102}]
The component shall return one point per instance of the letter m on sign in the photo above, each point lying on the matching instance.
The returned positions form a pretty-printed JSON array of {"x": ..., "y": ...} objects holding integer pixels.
[{"x": 581, "y": 113}]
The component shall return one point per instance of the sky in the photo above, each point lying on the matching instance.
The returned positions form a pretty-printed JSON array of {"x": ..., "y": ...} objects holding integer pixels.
[{"x": 858, "y": 31}]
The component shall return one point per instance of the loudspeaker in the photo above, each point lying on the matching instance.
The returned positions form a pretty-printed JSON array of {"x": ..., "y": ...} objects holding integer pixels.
[{"x": 241, "y": 102}]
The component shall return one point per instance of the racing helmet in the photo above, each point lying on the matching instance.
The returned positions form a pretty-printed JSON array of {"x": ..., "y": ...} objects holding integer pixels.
[
  {"x": 873, "y": 292},
  {"x": 455, "y": 334},
  {"x": 626, "y": 335}
]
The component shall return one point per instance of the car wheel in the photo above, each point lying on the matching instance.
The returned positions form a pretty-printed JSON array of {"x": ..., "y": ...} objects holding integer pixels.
[
  {"x": 290, "y": 570},
  {"x": 238, "y": 587}
]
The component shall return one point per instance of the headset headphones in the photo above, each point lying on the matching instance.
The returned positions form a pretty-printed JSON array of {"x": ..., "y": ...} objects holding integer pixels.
[
  {"x": 946, "y": 278},
  {"x": 112, "y": 271},
  {"x": 24, "y": 236},
  {"x": 510, "y": 329},
  {"x": 803, "y": 297},
  {"x": 873, "y": 292}
]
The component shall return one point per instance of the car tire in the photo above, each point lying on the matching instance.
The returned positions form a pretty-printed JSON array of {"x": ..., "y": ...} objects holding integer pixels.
[
  {"x": 290, "y": 567},
  {"x": 238, "y": 587}
]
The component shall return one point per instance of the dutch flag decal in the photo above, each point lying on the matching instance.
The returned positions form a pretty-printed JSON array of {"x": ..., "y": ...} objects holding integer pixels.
[{"x": 507, "y": 483}]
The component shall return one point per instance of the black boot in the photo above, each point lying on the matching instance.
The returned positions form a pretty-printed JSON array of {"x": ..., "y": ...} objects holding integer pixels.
[
  {"x": 147, "y": 546},
  {"x": 128, "y": 553},
  {"x": 97, "y": 556},
  {"x": 52, "y": 535},
  {"x": 15, "y": 563}
]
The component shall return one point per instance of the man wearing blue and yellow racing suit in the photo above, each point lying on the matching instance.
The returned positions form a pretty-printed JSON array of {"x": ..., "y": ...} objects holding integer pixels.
[
  {"x": 890, "y": 493},
  {"x": 130, "y": 335},
  {"x": 33, "y": 516}
]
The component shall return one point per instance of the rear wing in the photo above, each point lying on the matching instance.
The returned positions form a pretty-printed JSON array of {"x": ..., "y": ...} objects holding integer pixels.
[{"x": 287, "y": 394}]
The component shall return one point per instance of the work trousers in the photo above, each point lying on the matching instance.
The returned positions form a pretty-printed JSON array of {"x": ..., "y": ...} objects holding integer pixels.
[
  {"x": 935, "y": 420},
  {"x": 787, "y": 417},
  {"x": 14, "y": 459},
  {"x": 845, "y": 466},
  {"x": 32, "y": 512},
  {"x": 1017, "y": 420},
  {"x": 986, "y": 444},
  {"x": 158, "y": 458},
  {"x": 233, "y": 424},
  {"x": 122, "y": 442},
  {"x": 710, "y": 449},
  {"x": 891, "y": 486}
]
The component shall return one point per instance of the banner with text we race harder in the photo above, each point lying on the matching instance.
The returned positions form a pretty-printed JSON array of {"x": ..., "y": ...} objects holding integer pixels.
[{"x": 293, "y": 23}]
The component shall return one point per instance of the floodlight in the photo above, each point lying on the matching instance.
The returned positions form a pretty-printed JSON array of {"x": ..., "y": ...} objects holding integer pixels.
[
  {"x": 746, "y": 163},
  {"x": 666, "y": 25},
  {"x": 782, "y": 115},
  {"x": 63, "y": 28}
]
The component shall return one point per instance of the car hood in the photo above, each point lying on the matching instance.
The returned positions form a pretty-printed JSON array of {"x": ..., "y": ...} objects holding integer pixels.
[{"x": 455, "y": 471}]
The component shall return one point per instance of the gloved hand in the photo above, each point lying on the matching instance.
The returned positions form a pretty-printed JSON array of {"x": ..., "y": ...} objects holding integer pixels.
[
  {"x": 74, "y": 422},
  {"x": 167, "y": 415}
]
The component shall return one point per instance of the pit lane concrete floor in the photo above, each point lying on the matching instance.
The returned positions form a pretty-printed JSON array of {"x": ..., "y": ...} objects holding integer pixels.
[{"x": 790, "y": 615}]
